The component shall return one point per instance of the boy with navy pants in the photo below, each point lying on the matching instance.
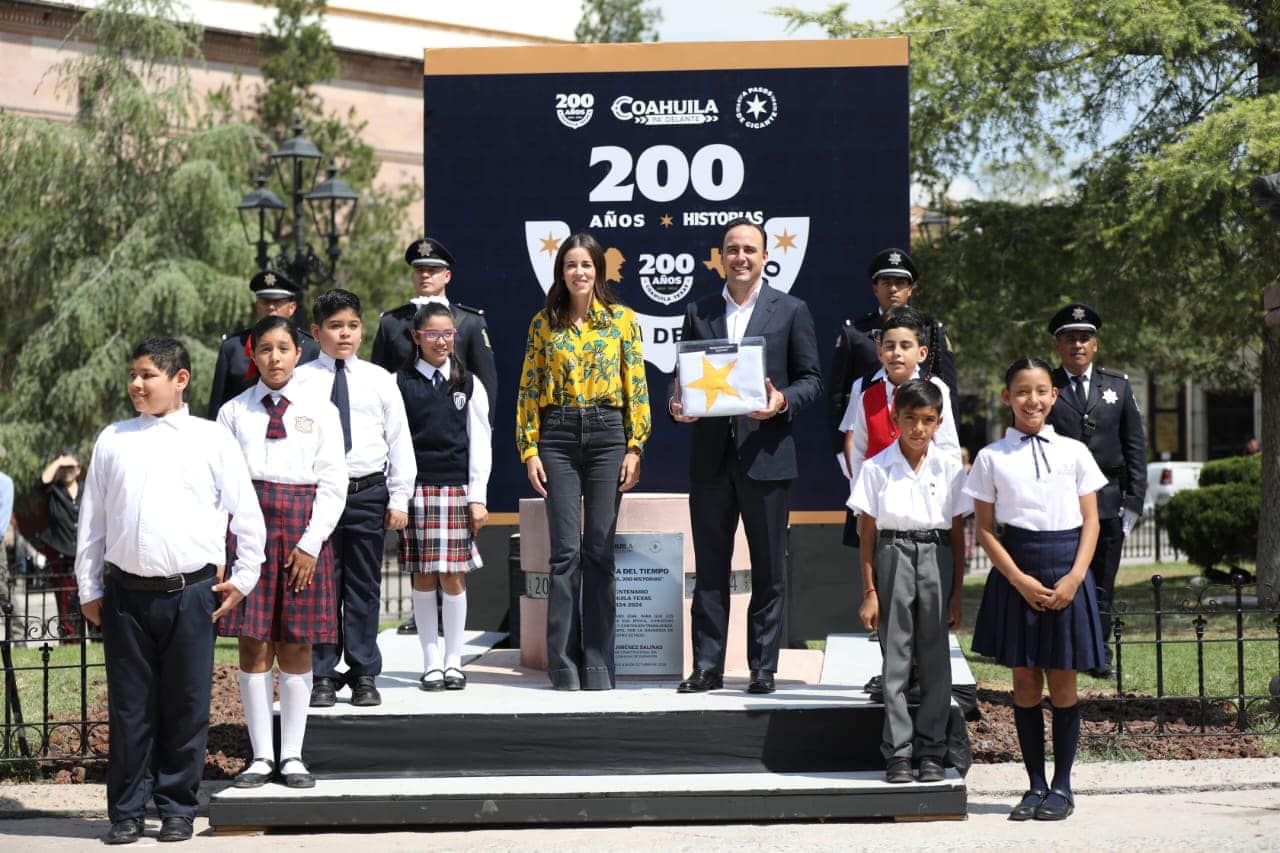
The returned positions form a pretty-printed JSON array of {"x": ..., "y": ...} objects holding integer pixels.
[
  {"x": 911, "y": 509},
  {"x": 151, "y": 543}
]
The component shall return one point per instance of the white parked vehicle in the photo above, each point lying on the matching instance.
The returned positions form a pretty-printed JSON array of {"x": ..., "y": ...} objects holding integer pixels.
[{"x": 1165, "y": 479}]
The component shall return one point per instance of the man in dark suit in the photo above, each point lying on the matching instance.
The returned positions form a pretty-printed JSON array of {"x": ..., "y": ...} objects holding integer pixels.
[
  {"x": 432, "y": 266},
  {"x": 743, "y": 466},
  {"x": 274, "y": 295},
  {"x": 1096, "y": 406}
]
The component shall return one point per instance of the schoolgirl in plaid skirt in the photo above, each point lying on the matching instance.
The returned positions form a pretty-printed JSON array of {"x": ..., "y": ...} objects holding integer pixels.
[
  {"x": 292, "y": 442},
  {"x": 448, "y": 412}
]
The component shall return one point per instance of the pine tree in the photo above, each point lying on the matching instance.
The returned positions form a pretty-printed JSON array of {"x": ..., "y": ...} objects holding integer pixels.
[{"x": 618, "y": 21}]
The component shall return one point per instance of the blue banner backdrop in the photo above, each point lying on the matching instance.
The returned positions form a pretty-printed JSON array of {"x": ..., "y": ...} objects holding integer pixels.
[{"x": 652, "y": 148}]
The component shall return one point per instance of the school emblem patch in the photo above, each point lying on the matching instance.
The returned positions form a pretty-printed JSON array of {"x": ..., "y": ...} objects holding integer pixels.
[
  {"x": 302, "y": 424},
  {"x": 459, "y": 400}
]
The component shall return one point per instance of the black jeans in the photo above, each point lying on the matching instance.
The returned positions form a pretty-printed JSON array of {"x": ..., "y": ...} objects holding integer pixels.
[{"x": 581, "y": 451}]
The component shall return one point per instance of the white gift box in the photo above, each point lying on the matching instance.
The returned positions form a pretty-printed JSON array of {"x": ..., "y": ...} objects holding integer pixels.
[{"x": 718, "y": 378}]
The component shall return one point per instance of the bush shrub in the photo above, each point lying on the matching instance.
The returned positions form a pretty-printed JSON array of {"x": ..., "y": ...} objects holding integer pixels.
[
  {"x": 1215, "y": 524},
  {"x": 1233, "y": 469}
]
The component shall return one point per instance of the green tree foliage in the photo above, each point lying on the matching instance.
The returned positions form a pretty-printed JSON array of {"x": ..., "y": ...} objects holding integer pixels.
[
  {"x": 115, "y": 227},
  {"x": 1165, "y": 103},
  {"x": 618, "y": 21}
]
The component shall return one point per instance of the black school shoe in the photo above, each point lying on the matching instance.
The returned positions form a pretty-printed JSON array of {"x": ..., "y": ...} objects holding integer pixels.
[
  {"x": 1057, "y": 806},
  {"x": 454, "y": 679},
  {"x": 297, "y": 779},
  {"x": 245, "y": 779},
  {"x": 174, "y": 828},
  {"x": 898, "y": 771},
  {"x": 931, "y": 770},
  {"x": 1026, "y": 808},
  {"x": 124, "y": 831},
  {"x": 363, "y": 693},
  {"x": 324, "y": 692}
]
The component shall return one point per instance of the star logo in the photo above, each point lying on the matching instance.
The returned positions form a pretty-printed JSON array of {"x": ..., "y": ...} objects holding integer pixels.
[
  {"x": 1077, "y": 314},
  {"x": 786, "y": 241},
  {"x": 424, "y": 249},
  {"x": 715, "y": 263},
  {"x": 550, "y": 244},
  {"x": 895, "y": 258},
  {"x": 1110, "y": 397},
  {"x": 269, "y": 279},
  {"x": 715, "y": 381},
  {"x": 755, "y": 106},
  {"x": 665, "y": 221}
]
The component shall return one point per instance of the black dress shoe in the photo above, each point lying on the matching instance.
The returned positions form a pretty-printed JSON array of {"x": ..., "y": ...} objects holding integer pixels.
[
  {"x": 931, "y": 770},
  {"x": 761, "y": 681},
  {"x": 245, "y": 779},
  {"x": 363, "y": 693},
  {"x": 1057, "y": 806},
  {"x": 124, "y": 831},
  {"x": 432, "y": 680},
  {"x": 1106, "y": 672},
  {"x": 324, "y": 692},
  {"x": 1026, "y": 809},
  {"x": 898, "y": 771},
  {"x": 174, "y": 828},
  {"x": 409, "y": 627},
  {"x": 454, "y": 679},
  {"x": 700, "y": 681},
  {"x": 297, "y": 778}
]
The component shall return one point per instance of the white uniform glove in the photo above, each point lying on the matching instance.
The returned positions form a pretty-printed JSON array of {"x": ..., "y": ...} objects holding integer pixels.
[{"x": 1128, "y": 521}]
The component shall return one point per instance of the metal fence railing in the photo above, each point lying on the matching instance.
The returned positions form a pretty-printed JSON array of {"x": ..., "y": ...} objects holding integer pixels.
[{"x": 1148, "y": 543}]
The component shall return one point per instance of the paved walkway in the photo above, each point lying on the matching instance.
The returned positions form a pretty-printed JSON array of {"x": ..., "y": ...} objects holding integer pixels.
[{"x": 1145, "y": 805}]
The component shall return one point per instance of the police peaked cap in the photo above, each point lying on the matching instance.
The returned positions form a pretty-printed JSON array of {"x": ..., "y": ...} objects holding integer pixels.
[
  {"x": 273, "y": 284},
  {"x": 895, "y": 262},
  {"x": 1076, "y": 317},
  {"x": 427, "y": 252}
]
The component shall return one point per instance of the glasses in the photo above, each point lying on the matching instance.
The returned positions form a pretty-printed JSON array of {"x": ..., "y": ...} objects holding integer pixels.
[{"x": 434, "y": 335}]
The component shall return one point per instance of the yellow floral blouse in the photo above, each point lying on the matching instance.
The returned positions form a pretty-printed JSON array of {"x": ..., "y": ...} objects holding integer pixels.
[{"x": 601, "y": 364}]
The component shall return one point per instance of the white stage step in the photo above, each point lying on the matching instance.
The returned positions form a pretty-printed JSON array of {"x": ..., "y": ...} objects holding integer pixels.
[{"x": 852, "y": 659}]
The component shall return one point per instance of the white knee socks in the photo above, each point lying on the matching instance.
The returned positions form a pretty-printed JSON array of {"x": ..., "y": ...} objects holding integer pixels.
[
  {"x": 428, "y": 619},
  {"x": 295, "y": 699},
  {"x": 455, "y": 625},
  {"x": 255, "y": 696}
]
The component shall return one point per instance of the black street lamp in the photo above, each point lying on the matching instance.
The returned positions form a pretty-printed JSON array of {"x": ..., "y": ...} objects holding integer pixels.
[{"x": 333, "y": 207}]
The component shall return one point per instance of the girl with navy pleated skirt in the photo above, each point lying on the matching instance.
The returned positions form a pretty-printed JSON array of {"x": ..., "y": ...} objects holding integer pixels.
[
  {"x": 448, "y": 412},
  {"x": 292, "y": 442},
  {"x": 1039, "y": 611}
]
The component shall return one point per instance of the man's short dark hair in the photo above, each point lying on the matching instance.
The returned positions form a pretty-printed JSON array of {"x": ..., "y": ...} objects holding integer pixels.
[
  {"x": 166, "y": 353},
  {"x": 331, "y": 302},
  {"x": 739, "y": 222},
  {"x": 918, "y": 394},
  {"x": 904, "y": 317}
]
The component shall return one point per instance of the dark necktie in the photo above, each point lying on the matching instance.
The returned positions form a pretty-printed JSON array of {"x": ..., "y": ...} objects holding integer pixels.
[
  {"x": 1037, "y": 443},
  {"x": 437, "y": 380},
  {"x": 342, "y": 400},
  {"x": 275, "y": 426},
  {"x": 1081, "y": 399}
]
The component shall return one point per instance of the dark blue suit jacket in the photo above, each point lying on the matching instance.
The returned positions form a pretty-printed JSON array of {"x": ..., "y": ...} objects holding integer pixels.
[{"x": 765, "y": 449}]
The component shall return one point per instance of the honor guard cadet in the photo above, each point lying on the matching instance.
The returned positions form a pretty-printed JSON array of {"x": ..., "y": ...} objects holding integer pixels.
[
  {"x": 274, "y": 295},
  {"x": 894, "y": 277},
  {"x": 1096, "y": 406},
  {"x": 393, "y": 346}
]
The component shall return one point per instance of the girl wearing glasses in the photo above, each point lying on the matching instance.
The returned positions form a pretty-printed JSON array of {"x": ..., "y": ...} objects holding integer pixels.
[{"x": 448, "y": 412}]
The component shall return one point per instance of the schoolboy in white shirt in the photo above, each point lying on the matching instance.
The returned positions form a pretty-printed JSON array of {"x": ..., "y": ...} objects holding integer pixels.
[
  {"x": 911, "y": 507},
  {"x": 381, "y": 467},
  {"x": 152, "y": 532}
]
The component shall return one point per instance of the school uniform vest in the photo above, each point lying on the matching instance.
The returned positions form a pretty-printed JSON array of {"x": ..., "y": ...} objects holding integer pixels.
[
  {"x": 438, "y": 426},
  {"x": 881, "y": 430}
]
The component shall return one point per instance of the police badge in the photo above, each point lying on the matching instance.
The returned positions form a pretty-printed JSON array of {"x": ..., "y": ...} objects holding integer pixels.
[{"x": 459, "y": 400}]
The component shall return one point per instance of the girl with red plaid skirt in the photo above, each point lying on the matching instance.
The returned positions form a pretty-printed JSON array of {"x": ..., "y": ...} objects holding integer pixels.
[
  {"x": 448, "y": 411},
  {"x": 292, "y": 442}
]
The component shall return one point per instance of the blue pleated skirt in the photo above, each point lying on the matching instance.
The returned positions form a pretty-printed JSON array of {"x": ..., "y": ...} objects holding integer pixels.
[{"x": 1008, "y": 630}]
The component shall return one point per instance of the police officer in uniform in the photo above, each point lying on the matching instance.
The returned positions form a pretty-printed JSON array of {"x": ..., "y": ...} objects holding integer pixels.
[
  {"x": 1096, "y": 406},
  {"x": 274, "y": 294},
  {"x": 432, "y": 266},
  {"x": 894, "y": 277}
]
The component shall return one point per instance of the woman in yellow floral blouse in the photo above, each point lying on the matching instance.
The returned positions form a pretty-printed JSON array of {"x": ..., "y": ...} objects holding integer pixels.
[{"x": 582, "y": 419}]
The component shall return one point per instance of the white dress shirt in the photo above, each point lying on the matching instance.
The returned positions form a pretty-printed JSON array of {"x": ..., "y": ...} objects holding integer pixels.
[
  {"x": 380, "y": 440},
  {"x": 310, "y": 454},
  {"x": 899, "y": 498},
  {"x": 945, "y": 439},
  {"x": 1071, "y": 380},
  {"x": 479, "y": 432},
  {"x": 427, "y": 300},
  {"x": 156, "y": 500},
  {"x": 1005, "y": 474},
  {"x": 737, "y": 317}
]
